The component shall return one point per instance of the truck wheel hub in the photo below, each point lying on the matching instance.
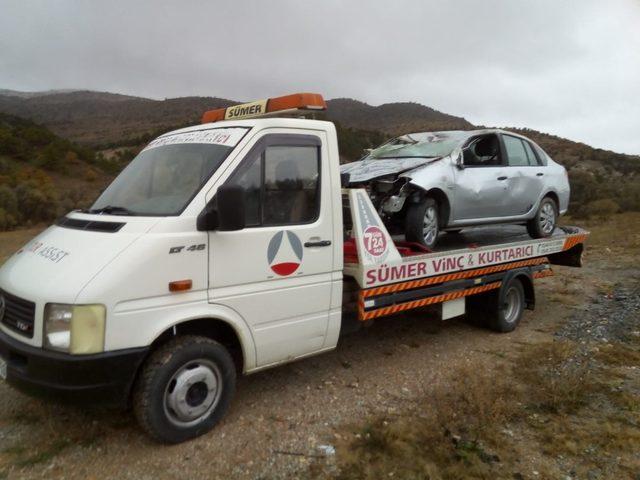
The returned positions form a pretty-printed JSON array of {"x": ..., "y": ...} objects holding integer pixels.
[{"x": 193, "y": 393}]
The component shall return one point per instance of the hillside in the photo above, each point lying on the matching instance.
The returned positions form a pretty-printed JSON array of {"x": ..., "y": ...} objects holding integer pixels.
[
  {"x": 42, "y": 175},
  {"x": 392, "y": 118},
  {"x": 94, "y": 118},
  {"x": 119, "y": 125},
  {"x": 98, "y": 118}
]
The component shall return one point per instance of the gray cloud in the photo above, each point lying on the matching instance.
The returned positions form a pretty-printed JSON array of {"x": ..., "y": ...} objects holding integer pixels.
[{"x": 570, "y": 68}]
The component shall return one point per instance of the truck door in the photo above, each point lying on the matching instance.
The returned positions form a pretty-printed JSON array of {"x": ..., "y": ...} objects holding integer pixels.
[{"x": 277, "y": 272}]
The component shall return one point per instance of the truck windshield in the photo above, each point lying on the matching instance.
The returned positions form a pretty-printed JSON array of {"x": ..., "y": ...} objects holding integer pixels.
[
  {"x": 167, "y": 174},
  {"x": 420, "y": 145}
]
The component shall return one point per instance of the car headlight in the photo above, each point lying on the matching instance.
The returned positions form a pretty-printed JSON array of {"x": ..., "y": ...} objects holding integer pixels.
[{"x": 75, "y": 329}]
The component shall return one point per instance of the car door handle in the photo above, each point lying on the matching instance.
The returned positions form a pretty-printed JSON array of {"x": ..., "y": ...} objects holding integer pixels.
[
  {"x": 502, "y": 178},
  {"x": 319, "y": 243},
  {"x": 539, "y": 174}
]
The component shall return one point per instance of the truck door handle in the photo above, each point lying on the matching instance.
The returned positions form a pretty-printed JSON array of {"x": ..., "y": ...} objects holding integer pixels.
[
  {"x": 502, "y": 178},
  {"x": 319, "y": 243},
  {"x": 539, "y": 174}
]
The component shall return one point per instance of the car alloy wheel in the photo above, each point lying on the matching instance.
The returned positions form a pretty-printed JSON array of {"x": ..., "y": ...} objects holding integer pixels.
[
  {"x": 547, "y": 218},
  {"x": 430, "y": 225}
]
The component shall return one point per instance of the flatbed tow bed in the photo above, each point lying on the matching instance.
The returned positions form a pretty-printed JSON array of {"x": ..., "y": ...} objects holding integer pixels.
[{"x": 398, "y": 276}]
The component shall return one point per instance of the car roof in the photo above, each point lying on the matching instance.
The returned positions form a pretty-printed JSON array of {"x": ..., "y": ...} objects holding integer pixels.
[{"x": 466, "y": 134}]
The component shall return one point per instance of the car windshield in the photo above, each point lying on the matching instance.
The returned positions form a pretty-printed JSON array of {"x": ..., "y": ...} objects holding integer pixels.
[
  {"x": 166, "y": 175},
  {"x": 420, "y": 145}
]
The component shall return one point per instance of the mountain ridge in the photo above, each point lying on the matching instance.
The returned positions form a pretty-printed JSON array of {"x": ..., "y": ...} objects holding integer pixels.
[{"x": 119, "y": 125}]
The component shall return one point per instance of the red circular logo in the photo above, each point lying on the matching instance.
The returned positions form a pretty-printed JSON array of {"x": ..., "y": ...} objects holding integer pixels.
[{"x": 374, "y": 241}]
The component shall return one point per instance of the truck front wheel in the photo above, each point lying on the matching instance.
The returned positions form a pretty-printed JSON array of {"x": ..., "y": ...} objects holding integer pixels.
[{"x": 184, "y": 389}]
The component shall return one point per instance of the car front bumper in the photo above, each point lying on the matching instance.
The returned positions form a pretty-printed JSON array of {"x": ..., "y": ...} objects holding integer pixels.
[{"x": 104, "y": 378}]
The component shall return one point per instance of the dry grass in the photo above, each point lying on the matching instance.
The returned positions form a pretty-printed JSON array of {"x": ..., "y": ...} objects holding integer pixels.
[
  {"x": 451, "y": 434},
  {"x": 554, "y": 399},
  {"x": 555, "y": 377},
  {"x": 10, "y": 242},
  {"x": 618, "y": 237}
]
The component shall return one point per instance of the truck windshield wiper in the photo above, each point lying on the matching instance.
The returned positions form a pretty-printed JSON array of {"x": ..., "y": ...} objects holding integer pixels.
[{"x": 112, "y": 209}]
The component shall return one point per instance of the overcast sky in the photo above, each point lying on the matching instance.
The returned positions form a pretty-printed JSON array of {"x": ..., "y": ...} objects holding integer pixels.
[{"x": 571, "y": 68}]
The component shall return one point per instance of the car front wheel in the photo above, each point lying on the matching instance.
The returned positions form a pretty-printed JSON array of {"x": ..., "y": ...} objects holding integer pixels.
[
  {"x": 544, "y": 222},
  {"x": 423, "y": 223}
]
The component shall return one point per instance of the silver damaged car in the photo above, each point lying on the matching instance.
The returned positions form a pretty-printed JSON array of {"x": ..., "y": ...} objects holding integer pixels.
[{"x": 430, "y": 182}]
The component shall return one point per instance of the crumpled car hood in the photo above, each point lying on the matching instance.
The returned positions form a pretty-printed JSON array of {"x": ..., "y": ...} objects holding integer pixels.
[{"x": 368, "y": 169}]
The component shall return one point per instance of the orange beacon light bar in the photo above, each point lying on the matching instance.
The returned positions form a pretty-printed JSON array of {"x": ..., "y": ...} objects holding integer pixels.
[{"x": 297, "y": 102}]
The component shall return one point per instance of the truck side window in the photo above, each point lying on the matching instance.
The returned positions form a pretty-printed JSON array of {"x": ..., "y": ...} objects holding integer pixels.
[{"x": 282, "y": 185}]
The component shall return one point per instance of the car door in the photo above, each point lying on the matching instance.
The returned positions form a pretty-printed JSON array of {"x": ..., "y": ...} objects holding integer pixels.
[
  {"x": 525, "y": 176},
  {"x": 480, "y": 187},
  {"x": 277, "y": 272}
]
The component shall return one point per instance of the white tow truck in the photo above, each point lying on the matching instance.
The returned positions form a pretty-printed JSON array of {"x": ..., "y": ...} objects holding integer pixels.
[{"x": 227, "y": 248}]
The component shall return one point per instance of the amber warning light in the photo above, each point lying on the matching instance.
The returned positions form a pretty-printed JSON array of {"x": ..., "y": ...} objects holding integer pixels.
[{"x": 296, "y": 103}]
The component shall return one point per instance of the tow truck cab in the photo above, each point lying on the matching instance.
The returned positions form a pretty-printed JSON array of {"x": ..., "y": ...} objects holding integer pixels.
[{"x": 219, "y": 249}]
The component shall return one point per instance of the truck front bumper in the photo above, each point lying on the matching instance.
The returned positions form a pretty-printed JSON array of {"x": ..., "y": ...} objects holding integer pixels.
[{"x": 104, "y": 378}]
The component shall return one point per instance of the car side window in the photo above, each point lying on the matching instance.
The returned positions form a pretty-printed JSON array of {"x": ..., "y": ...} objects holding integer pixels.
[
  {"x": 516, "y": 153},
  {"x": 483, "y": 152},
  {"x": 282, "y": 185},
  {"x": 531, "y": 157},
  {"x": 542, "y": 156}
]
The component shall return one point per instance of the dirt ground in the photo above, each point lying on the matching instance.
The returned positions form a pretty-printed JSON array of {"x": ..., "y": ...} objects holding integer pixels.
[{"x": 282, "y": 419}]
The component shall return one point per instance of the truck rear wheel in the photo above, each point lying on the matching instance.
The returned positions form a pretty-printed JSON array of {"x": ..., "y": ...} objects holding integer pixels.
[
  {"x": 506, "y": 306},
  {"x": 184, "y": 389}
]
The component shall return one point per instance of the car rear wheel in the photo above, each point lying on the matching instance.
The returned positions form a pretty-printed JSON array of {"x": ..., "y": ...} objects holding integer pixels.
[
  {"x": 544, "y": 222},
  {"x": 423, "y": 223}
]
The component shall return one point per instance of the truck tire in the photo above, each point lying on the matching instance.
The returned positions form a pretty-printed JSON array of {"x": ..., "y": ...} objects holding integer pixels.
[
  {"x": 184, "y": 389},
  {"x": 544, "y": 222},
  {"x": 423, "y": 223},
  {"x": 506, "y": 306}
]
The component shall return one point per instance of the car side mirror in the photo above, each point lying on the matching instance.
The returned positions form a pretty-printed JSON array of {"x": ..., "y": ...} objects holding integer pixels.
[{"x": 228, "y": 214}]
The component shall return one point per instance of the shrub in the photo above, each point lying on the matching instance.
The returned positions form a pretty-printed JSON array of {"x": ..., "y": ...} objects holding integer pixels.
[
  {"x": 8, "y": 201},
  {"x": 7, "y": 220},
  {"x": 37, "y": 204},
  {"x": 603, "y": 208}
]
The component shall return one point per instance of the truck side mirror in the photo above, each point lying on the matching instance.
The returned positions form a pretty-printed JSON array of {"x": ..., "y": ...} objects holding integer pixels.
[
  {"x": 345, "y": 179},
  {"x": 227, "y": 214},
  {"x": 459, "y": 160}
]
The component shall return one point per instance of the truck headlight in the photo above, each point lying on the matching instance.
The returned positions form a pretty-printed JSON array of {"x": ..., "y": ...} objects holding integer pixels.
[{"x": 75, "y": 329}]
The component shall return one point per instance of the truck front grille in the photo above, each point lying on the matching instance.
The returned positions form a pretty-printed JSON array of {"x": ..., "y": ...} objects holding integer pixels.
[{"x": 17, "y": 313}]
